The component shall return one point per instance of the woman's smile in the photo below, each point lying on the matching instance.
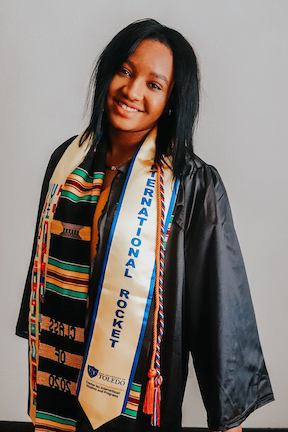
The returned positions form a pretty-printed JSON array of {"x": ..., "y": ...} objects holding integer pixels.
[{"x": 127, "y": 108}]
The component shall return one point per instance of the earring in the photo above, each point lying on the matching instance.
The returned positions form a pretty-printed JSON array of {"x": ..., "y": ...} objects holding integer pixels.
[{"x": 168, "y": 111}]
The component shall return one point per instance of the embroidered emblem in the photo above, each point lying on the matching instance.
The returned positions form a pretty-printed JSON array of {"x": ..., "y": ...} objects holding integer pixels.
[
  {"x": 71, "y": 231},
  {"x": 92, "y": 371}
]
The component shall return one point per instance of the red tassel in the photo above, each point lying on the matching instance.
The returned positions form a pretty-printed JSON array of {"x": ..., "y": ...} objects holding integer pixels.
[{"x": 149, "y": 395}]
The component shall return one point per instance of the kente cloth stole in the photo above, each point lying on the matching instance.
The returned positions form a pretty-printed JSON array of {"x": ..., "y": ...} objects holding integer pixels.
[
  {"x": 60, "y": 284},
  {"x": 59, "y": 288},
  {"x": 125, "y": 291}
]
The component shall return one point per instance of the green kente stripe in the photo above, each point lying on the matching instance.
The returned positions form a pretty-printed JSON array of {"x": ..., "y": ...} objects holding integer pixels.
[
  {"x": 70, "y": 267},
  {"x": 83, "y": 174},
  {"x": 77, "y": 198},
  {"x": 70, "y": 293},
  {"x": 86, "y": 176},
  {"x": 130, "y": 412},
  {"x": 136, "y": 387},
  {"x": 55, "y": 419},
  {"x": 98, "y": 176}
]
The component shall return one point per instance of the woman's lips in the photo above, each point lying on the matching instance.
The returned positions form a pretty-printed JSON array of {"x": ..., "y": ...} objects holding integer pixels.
[{"x": 127, "y": 108}]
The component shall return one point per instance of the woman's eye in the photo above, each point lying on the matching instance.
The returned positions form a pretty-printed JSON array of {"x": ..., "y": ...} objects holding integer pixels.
[
  {"x": 125, "y": 71},
  {"x": 155, "y": 86}
]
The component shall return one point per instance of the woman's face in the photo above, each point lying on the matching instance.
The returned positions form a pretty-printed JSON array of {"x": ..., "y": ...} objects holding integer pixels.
[{"x": 138, "y": 93}]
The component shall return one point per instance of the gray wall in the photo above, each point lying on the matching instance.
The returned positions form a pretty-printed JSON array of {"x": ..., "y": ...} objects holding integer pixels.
[{"x": 47, "y": 50}]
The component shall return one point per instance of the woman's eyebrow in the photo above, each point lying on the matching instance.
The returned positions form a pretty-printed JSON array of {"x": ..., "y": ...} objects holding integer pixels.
[
  {"x": 152, "y": 74},
  {"x": 155, "y": 75},
  {"x": 131, "y": 63}
]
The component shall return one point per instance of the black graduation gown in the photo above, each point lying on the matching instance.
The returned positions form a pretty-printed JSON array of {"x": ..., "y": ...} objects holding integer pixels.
[{"x": 207, "y": 305}]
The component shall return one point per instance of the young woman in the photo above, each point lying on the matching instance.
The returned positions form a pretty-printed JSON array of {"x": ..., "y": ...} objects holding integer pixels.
[{"x": 136, "y": 262}]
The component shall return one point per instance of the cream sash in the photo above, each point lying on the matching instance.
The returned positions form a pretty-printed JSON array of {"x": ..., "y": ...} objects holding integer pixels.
[{"x": 125, "y": 291}]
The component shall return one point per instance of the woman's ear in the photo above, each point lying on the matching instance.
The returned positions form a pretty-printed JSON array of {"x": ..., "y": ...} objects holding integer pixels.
[{"x": 170, "y": 102}]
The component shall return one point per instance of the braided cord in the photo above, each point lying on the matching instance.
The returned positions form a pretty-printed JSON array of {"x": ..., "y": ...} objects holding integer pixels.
[
  {"x": 155, "y": 420},
  {"x": 153, "y": 393}
]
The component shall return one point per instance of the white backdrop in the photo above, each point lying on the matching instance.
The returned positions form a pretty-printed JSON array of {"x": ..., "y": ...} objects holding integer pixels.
[{"x": 47, "y": 50}]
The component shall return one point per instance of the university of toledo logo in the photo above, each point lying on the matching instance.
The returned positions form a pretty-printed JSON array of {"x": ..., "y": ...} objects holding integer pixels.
[{"x": 92, "y": 371}]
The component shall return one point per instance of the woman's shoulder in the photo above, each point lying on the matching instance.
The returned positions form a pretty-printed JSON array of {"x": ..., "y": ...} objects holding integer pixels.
[
  {"x": 203, "y": 176},
  {"x": 59, "y": 151},
  {"x": 54, "y": 159}
]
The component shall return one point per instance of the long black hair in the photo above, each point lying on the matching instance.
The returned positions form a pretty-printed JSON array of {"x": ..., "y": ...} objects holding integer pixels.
[{"x": 175, "y": 131}]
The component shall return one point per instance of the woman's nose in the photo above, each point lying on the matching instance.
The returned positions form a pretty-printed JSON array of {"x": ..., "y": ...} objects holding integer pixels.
[{"x": 134, "y": 90}]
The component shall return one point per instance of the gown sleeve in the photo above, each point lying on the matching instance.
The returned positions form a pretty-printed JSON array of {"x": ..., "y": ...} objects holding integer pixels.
[
  {"x": 222, "y": 330},
  {"x": 22, "y": 322}
]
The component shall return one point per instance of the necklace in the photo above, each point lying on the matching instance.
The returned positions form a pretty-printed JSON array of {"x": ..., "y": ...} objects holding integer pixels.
[{"x": 115, "y": 167}]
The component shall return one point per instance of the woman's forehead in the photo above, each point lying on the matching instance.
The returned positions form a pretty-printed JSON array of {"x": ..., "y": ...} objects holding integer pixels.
[{"x": 153, "y": 57}]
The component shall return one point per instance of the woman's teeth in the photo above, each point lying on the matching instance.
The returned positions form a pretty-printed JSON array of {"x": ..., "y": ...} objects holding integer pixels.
[{"x": 127, "y": 108}]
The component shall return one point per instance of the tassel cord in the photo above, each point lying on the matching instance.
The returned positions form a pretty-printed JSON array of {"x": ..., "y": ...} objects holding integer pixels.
[{"x": 153, "y": 393}]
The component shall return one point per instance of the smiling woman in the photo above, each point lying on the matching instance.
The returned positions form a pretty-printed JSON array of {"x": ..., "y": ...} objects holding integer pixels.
[
  {"x": 139, "y": 92},
  {"x": 137, "y": 97},
  {"x": 136, "y": 262}
]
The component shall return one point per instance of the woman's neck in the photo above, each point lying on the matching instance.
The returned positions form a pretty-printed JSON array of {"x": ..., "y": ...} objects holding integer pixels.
[{"x": 122, "y": 145}]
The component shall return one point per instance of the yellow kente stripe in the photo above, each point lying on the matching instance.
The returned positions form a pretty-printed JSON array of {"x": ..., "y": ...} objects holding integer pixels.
[
  {"x": 83, "y": 182},
  {"x": 77, "y": 191},
  {"x": 81, "y": 279},
  {"x": 59, "y": 426},
  {"x": 81, "y": 288},
  {"x": 78, "y": 179},
  {"x": 132, "y": 406},
  {"x": 68, "y": 273},
  {"x": 134, "y": 394},
  {"x": 103, "y": 197}
]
